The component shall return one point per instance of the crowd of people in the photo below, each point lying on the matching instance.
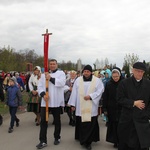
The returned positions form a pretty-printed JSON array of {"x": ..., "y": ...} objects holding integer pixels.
[{"x": 123, "y": 102}]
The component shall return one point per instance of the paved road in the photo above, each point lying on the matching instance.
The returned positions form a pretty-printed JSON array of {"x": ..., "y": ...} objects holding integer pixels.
[{"x": 25, "y": 137}]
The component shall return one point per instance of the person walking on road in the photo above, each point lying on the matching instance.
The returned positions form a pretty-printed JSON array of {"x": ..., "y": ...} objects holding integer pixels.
[
  {"x": 55, "y": 100},
  {"x": 34, "y": 101},
  {"x": 68, "y": 87},
  {"x": 86, "y": 93},
  {"x": 13, "y": 100},
  {"x": 110, "y": 106},
  {"x": 133, "y": 96}
]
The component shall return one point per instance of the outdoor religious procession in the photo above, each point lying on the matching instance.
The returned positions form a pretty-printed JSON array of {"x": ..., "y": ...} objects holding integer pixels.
[{"x": 75, "y": 75}]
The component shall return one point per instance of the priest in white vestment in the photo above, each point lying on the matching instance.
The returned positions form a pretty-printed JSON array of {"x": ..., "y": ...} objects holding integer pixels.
[
  {"x": 57, "y": 80},
  {"x": 86, "y": 93}
]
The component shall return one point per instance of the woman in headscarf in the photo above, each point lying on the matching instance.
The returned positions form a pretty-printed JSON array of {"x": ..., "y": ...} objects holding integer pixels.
[
  {"x": 68, "y": 90},
  {"x": 34, "y": 99},
  {"x": 110, "y": 106}
]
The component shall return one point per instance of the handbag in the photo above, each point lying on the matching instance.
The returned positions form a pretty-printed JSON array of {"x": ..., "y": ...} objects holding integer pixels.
[{"x": 67, "y": 96}]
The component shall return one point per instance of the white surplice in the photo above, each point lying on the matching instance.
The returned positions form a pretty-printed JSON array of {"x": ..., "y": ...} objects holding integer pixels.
[
  {"x": 56, "y": 92},
  {"x": 95, "y": 95}
]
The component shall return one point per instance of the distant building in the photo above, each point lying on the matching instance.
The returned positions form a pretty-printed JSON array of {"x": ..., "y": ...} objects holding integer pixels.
[
  {"x": 79, "y": 65},
  {"x": 97, "y": 64},
  {"x": 29, "y": 67}
]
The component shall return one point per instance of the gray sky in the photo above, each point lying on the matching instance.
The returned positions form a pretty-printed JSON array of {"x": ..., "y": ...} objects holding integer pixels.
[{"x": 85, "y": 29}]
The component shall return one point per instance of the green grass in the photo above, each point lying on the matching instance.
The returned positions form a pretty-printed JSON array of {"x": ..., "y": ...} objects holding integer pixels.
[{"x": 4, "y": 108}]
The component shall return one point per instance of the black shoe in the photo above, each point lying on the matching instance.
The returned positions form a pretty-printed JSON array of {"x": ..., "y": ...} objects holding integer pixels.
[
  {"x": 106, "y": 124},
  {"x": 37, "y": 124},
  {"x": 17, "y": 123},
  {"x": 88, "y": 147},
  {"x": 41, "y": 145},
  {"x": 73, "y": 123},
  {"x": 70, "y": 122},
  {"x": 57, "y": 141},
  {"x": 10, "y": 130},
  {"x": 115, "y": 145}
]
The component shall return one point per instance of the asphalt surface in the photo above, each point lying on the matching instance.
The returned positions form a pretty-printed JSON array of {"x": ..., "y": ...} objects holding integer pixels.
[{"x": 26, "y": 136}]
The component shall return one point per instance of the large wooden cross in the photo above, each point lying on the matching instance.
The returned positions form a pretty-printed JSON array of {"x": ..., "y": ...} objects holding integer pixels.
[{"x": 46, "y": 43}]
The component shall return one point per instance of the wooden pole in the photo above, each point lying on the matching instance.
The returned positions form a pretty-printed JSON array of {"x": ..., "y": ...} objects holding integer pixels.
[{"x": 46, "y": 42}]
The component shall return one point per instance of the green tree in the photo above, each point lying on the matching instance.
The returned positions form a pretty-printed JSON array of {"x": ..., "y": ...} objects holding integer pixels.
[
  {"x": 7, "y": 59},
  {"x": 129, "y": 60}
]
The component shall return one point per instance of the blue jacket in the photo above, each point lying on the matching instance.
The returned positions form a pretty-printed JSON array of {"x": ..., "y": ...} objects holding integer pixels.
[
  {"x": 108, "y": 78},
  {"x": 14, "y": 97},
  {"x": 20, "y": 82}
]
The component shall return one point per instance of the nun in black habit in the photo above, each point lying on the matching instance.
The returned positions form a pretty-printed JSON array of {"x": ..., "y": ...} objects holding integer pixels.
[{"x": 110, "y": 106}]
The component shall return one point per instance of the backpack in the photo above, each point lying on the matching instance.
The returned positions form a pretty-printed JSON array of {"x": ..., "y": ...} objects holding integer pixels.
[{"x": 1, "y": 119}]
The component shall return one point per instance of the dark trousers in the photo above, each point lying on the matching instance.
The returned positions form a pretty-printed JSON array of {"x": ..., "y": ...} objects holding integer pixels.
[
  {"x": 12, "y": 111},
  {"x": 44, "y": 124}
]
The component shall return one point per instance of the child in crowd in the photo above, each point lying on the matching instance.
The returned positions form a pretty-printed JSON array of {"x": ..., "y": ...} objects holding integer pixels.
[{"x": 13, "y": 100}]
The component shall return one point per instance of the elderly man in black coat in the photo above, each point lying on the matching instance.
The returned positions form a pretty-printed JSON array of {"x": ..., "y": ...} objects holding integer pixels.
[{"x": 134, "y": 97}]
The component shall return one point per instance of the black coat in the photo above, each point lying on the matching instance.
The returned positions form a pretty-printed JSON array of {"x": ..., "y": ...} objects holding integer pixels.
[
  {"x": 111, "y": 107},
  {"x": 110, "y": 100},
  {"x": 134, "y": 126}
]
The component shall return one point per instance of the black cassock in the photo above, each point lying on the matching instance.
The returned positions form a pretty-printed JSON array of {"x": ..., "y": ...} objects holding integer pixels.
[
  {"x": 134, "y": 126},
  {"x": 87, "y": 132}
]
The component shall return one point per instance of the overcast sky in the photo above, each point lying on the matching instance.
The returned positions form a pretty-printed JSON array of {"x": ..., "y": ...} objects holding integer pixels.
[{"x": 85, "y": 29}]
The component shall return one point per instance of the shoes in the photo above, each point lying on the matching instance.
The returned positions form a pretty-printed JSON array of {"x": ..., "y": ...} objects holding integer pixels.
[
  {"x": 106, "y": 124},
  {"x": 115, "y": 145},
  {"x": 72, "y": 123},
  {"x": 88, "y": 147},
  {"x": 41, "y": 145},
  {"x": 17, "y": 123},
  {"x": 10, "y": 130},
  {"x": 37, "y": 124},
  {"x": 57, "y": 141}
]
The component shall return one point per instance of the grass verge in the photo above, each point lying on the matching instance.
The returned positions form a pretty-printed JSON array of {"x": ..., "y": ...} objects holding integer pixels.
[{"x": 4, "y": 108}]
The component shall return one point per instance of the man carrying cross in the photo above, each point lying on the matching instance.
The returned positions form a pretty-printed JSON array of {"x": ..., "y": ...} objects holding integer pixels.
[{"x": 55, "y": 100}]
